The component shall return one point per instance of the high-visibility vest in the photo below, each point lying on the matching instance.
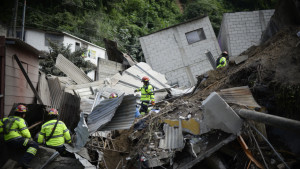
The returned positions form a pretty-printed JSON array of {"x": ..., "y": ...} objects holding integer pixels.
[
  {"x": 146, "y": 93},
  {"x": 15, "y": 127},
  {"x": 59, "y": 137},
  {"x": 223, "y": 59}
]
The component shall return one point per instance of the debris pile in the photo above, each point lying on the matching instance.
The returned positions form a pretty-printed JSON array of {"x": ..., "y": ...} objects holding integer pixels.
[{"x": 179, "y": 137}]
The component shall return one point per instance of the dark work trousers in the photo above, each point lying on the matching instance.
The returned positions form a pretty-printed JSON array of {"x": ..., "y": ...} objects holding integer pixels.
[
  {"x": 62, "y": 151},
  {"x": 30, "y": 146},
  {"x": 144, "y": 107}
]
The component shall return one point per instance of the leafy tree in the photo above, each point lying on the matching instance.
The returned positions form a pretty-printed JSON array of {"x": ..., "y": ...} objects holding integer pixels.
[
  {"x": 47, "y": 64},
  {"x": 211, "y": 8}
]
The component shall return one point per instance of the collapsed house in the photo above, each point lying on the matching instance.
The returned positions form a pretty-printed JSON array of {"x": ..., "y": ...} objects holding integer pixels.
[{"x": 182, "y": 51}]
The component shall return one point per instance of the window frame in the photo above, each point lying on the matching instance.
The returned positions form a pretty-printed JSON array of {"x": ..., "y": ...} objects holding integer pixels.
[{"x": 201, "y": 36}]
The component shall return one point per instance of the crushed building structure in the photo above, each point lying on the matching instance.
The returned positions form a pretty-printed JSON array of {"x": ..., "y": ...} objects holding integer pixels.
[
  {"x": 241, "y": 30},
  {"x": 182, "y": 51}
]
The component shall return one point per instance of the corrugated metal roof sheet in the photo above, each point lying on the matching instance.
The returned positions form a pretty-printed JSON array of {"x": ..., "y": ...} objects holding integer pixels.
[
  {"x": 113, "y": 114},
  {"x": 43, "y": 90},
  {"x": 103, "y": 113},
  {"x": 85, "y": 90},
  {"x": 69, "y": 111},
  {"x": 55, "y": 92},
  {"x": 124, "y": 116},
  {"x": 173, "y": 137},
  {"x": 239, "y": 95},
  {"x": 71, "y": 70}
]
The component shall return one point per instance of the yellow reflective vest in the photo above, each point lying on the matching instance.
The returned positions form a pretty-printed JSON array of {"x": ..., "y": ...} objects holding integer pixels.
[
  {"x": 59, "y": 137},
  {"x": 146, "y": 93},
  {"x": 223, "y": 59},
  {"x": 14, "y": 127}
]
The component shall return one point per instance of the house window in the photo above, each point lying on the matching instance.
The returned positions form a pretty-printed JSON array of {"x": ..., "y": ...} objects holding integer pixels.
[
  {"x": 58, "y": 39},
  {"x": 195, "y": 36},
  {"x": 77, "y": 45}
]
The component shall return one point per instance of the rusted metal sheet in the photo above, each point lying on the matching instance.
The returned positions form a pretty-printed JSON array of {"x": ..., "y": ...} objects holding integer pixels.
[
  {"x": 69, "y": 111},
  {"x": 56, "y": 92},
  {"x": 239, "y": 95},
  {"x": 71, "y": 70},
  {"x": 43, "y": 89}
]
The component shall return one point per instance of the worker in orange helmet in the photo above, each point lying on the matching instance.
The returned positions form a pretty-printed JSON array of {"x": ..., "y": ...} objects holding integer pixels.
[
  {"x": 147, "y": 95},
  {"x": 113, "y": 95},
  {"x": 54, "y": 133},
  {"x": 17, "y": 135}
]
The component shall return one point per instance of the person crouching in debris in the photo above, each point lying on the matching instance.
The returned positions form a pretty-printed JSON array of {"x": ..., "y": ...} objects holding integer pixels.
[
  {"x": 222, "y": 60},
  {"x": 147, "y": 95},
  {"x": 55, "y": 133},
  {"x": 17, "y": 135}
]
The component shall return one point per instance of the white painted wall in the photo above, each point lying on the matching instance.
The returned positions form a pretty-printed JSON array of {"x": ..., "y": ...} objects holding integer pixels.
[
  {"x": 168, "y": 52},
  {"x": 36, "y": 39},
  {"x": 95, "y": 54}
]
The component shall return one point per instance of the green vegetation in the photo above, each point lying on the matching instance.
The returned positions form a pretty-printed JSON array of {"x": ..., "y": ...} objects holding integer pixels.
[
  {"x": 47, "y": 64},
  {"x": 123, "y": 21}
]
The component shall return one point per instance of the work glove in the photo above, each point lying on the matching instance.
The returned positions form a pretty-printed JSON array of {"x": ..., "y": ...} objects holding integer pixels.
[
  {"x": 135, "y": 90},
  {"x": 153, "y": 103}
]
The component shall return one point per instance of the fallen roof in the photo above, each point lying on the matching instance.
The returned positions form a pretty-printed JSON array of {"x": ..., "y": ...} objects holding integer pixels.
[
  {"x": 71, "y": 70},
  {"x": 107, "y": 112}
]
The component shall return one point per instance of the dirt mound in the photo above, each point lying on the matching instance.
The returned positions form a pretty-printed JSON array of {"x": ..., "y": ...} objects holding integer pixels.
[{"x": 275, "y": 62}]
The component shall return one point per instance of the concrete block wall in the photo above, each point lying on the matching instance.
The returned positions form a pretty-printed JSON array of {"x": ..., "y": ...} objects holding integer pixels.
[
  {"x": 107, "y": 68},
  {"x": 241, "y": 30},
  {"x": 168, "y": 52}
]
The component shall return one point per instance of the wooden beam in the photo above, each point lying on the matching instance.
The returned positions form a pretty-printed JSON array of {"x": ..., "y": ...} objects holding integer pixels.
[{"x": 28, "y": 80}]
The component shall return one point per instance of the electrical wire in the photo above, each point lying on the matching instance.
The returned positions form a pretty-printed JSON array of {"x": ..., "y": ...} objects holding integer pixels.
[{"x": 269, "y": 145}]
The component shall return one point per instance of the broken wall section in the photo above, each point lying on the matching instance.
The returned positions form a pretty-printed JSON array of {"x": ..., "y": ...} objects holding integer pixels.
[{"x": 107, "y": 68}]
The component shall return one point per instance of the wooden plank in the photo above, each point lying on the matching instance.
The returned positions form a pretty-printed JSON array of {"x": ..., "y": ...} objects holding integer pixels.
[
  {"x": 13, "y": 91},
  {"x": 24, "y": 56},
  {"x": 18, "y": 74},
  {"x": 10, "y": 100},
  {"x": 28, "y": 80}
]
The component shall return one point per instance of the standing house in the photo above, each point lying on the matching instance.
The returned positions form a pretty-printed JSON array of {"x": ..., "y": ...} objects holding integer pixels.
[
  {"x": 13, "y": 85},
  {"x": 182, "y": 51},
  {"x": 40, "y": 40},
  {"x": 241, "y": 30}
]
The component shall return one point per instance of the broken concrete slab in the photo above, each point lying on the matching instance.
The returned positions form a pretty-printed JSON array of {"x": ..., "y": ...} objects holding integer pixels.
[
  {"x": 219, "y": 115},
  {"x": 240, "y": 59}
]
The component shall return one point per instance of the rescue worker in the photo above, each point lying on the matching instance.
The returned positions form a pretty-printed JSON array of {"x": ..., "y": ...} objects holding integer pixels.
[
  {"x": 113, "y": 95},
  {"x": 147, "y": 95},
  {"x": 222, "y": 60},
  {"x": 17, "y": 135},
  {"x": 54, "y": 133}
]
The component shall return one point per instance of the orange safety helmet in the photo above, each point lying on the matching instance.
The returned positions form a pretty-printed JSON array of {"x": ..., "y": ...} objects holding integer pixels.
[
  {"x": 113, "y": 95},
  {"x": 53, "y": 112},
  {"x": 145, "y": 79},
  {"x": 21, "y": 108}
]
